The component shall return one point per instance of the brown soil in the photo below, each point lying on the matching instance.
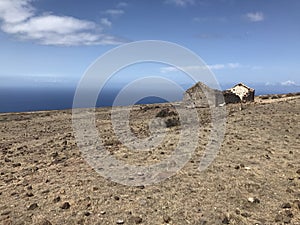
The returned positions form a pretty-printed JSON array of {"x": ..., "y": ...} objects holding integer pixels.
[{"x": 255, "y": 179}]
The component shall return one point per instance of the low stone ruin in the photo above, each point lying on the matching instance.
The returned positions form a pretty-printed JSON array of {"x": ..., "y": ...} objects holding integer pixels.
[{"x": 202, "y": 96}]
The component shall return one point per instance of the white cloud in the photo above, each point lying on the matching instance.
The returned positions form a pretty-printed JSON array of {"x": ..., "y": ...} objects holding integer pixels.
[
  {"x": 122, "y": 5},
  {"x": 48, "y": 24},
  {"x": 106, "y": 22},
  {"x": 289, "y": 83},
  {"x": 14, "y": 11},
  {"x": 169, "y": 69},
  {"x": 216, "y": 66},
  {"x": 234, "y": 65},
  {"x": 50, "y": 29},
  {"x": 225, "y": 66},
  {"x": 180, "y": 3},
  {"x": 114, "y": 12},
  {"x": 189, "y": 69},
  {"x": 255, "y": 17}
]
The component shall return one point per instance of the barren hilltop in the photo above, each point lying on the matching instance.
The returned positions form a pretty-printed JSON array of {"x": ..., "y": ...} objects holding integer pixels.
[{"x": 255, "y": 178}]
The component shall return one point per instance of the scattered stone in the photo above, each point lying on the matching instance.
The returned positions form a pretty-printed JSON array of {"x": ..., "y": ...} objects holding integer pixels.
[
  {"x": 166, "y": 219},
  {"x": 284, "y": 216},
  {"x": 245, "y": 214},
  {"x": 33, "y": 206},
  {"x": 57, "y": 199},
  {"x": 54, "y": 154},
  {"x": 7, "y": 159},
  {"x": 5, "y": 213},
  {"x": 45, "y": 222},
  {"x": 298, "y": 171},
  {"x": 226, "y": 220},
  {"x": 87, "y": 213},
  {"x": 29, "y": 187},
  {"x": 172, "y": 122},
  {"x": 95, "y": 188},
  {"x": 29, "y": 194},
  {"x": 165, "y": 113},
  {"x": 297, "y": 203},
  {"x": 237, "y": 167},
  {"x": 202, "y": 222},
  {"x": 45, "y": 191},
  {"x": 102, "y": 212},
  {"x": 16, "y": 164},
  {"x": 286, "y": 206},
  {"x": 66, "y": 205},
  {"x": 81, "y": 221},
  {"x": 136, "y": 220},
  {"x": 253, "y": 200},
  {"x": 117, "y": 198},
  {"x": 120, "y": 221}
]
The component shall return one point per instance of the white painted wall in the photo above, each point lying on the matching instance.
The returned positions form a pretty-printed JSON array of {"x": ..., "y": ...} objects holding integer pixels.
[{"x": 240, "y": 91}]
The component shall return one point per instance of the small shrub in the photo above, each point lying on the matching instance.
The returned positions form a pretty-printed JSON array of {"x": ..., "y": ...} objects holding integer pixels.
[
  {"x": 290, "y": 95},
  {"x": 172, "y": 122},
  {"x": 166, "y": 113},
  {"x": 265, "y": 97}
]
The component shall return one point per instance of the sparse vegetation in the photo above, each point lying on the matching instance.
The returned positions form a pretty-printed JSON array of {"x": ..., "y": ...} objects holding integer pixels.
[
  {"x": 172, "y": 122},
  {"x": 166, "y": 113},
  {"x": 40, "y": 177}
]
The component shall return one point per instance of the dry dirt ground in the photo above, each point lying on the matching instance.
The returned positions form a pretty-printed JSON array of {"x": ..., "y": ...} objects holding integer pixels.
[{"x": 255, "y": 178}]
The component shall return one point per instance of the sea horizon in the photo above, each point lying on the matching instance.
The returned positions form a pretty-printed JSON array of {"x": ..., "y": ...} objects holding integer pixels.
[{"x": 59, "y": 98}]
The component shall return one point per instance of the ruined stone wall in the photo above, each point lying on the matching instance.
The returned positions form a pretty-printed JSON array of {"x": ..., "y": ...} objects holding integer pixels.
[
  {"x": 230, "y": 97},
  {"x": 250, "y": 96},
  {"x": 196, "y": 96}
]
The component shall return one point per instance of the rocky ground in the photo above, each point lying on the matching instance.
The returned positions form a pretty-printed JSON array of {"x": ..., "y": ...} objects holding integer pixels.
[{"x": 255, "y": 178}]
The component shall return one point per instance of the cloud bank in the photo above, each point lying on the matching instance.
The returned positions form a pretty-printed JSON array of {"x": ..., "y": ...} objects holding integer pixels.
[{"x": 19, "y": 18}]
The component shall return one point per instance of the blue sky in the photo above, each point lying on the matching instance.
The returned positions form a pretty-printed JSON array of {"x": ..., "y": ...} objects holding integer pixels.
[{"x": 52, "y": 42}]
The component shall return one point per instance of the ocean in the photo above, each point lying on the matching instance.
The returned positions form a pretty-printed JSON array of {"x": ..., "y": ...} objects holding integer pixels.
[{"x": 37, "y": 98}]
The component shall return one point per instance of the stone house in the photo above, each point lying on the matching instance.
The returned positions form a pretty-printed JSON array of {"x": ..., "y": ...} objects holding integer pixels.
[{"x": 239, "y": 93}]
